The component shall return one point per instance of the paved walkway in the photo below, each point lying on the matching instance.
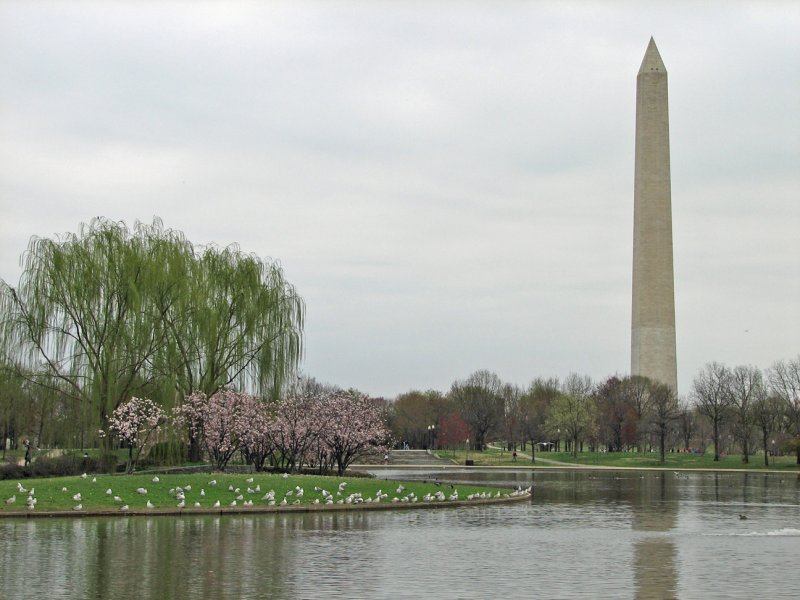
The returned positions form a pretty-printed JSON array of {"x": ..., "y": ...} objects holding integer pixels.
[
  {"x": 539, "y": 459},
  {"x": 417, "y": 458}
]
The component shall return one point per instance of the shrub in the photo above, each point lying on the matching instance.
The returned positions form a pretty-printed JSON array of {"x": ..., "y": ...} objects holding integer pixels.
[{"x": 68, "y": 464}]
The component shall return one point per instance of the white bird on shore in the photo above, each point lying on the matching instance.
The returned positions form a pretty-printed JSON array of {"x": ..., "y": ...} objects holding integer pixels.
[
  {"x": 284, "y": 502},
  {"x": 30, "y": 493},
  {"x": 216, "y": 504},
  {"x": 77, "y": 497},
  {"x": 63, "y": 489},
  {"x": 21, "y": 489},
  {"x": 285, "y": 475},
  {"x": 202, "y": 492},
  {"x": 84, "y": 476},
  {"x": 109, "y": 492},
  {"x": 94, "y": 479},
  {"x": 11, "y": 500},
  {"x": 248, "y": 503},
  {"x": 197, "y": 505},
  {"x": 181, "y": 504},
  {"x": 400, "y": 489},
  {"x": 150, "y": 504},
  {"x": 188, "y": 488},
  {"x": 212, "y": 483},
  {"x": 236, "y": 491},
  {"x": 258, "y": 487},
  {"x": 79, "y": 507},
  {"x": 123, "y": 508},
  {"x": 249, "y": 480},
  {"x": 271, "y": 503},
  {"x": 117, "y": 499},
  {"x": 156, "y": 479},
  {"x": 251, "y": 491},
  {"x": 230, "y": 488},
  {"x": 141, "y": 491},
  {"x": 240, "y": 497},
  {"x": 289, "y": 493},
  {"x": 233, "y": 503}
]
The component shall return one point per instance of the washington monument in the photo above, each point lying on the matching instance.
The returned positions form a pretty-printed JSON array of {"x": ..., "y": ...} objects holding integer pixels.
[{"x": 653, "y": 316}]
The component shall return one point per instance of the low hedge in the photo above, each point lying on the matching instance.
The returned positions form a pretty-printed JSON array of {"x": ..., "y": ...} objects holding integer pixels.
[{"x": 68, "y": 464}]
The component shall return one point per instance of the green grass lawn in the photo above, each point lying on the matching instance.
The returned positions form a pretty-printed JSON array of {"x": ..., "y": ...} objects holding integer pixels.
[
  {"x": 497, "y": 457},
  {"x": 51, "y": 496}
]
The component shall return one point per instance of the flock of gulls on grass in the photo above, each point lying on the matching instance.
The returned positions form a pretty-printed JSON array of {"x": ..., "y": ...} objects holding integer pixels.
[{"x": 291, "y": 497}]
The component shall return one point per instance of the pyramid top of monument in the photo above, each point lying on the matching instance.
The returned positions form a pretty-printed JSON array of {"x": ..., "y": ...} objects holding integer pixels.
[{"x": 652, "y": 59}]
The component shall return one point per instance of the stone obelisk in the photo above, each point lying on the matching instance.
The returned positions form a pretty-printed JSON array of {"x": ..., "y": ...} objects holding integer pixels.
[{"x": 653, "y": 317}]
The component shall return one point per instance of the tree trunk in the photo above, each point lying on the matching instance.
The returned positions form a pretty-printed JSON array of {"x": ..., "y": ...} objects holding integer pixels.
[
  {"x": 661, "y": 443},
  {"x": 764, "y": 435},
  {"x": 716, "y": 440},
  {"x": 533, "y": 451},
  {"x": 194, "y": 449}
]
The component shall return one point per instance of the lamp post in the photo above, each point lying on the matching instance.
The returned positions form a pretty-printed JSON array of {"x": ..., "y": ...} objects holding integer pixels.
[{"x": 431, "y": 434}]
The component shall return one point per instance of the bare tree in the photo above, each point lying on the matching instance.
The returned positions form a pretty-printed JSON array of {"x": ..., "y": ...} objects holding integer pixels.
[
  {"x": 573, "y": 411},
  {"x": 711, "y": 391},
  {"x": 662, "y": 414},
  {"x": 767, "y": 413},
  {"x": 479, "y": 401},
  {"x": 613, "y": 412},
  {"x": 784, "y": 379},
  {"x": 637, "y": 395},
  {"x": 534, "y": 406},
  {"x": 745, "y": 386},
  {"x": 687, "y": 424}
]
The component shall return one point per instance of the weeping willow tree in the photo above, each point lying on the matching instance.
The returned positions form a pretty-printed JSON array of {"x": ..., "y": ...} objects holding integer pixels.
[
  {"x": 235, "y": 321},
  {"x": 110, "y": 312},
  {"x": 80, "y": 313}
]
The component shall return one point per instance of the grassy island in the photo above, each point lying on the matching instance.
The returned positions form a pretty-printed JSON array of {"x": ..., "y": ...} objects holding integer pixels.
[{"x": 224, "y": 492}]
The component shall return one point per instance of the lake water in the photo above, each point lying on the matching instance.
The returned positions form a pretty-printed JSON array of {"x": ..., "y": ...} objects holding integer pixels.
[{"x": 583, "y": 535}]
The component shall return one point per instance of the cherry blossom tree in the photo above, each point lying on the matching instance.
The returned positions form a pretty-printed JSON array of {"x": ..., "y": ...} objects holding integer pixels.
[
  {"x": 134, "y": 422},
  {"x": 216, "y": 421},
  {"x": 354, "y": 424},
  {"x": 299, "y": 424},
  {"x": 255, "y": 427}
]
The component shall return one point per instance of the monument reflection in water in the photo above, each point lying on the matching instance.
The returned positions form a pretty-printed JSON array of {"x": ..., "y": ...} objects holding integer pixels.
[{"x": 584, "y": 535}]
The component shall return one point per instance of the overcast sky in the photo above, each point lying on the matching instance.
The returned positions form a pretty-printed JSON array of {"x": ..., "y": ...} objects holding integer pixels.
[{"x": 448, "y": 185}]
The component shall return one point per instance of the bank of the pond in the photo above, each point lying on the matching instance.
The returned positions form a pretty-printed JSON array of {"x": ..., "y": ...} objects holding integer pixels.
[
  {"x": 225, "y": 493},
  {"x": 564, "y": 467}
]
